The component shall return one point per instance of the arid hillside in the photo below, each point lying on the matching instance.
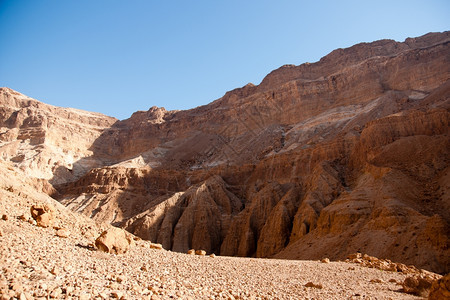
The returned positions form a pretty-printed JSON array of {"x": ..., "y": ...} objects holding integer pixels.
[{"x": 319, "y": 160}]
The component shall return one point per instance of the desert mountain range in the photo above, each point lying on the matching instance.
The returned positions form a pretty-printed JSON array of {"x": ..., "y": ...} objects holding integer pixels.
[{"x": 348, "y": 154}]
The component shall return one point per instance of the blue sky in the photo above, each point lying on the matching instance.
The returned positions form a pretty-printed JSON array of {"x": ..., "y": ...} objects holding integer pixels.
[{"x": 117, "y": 57}]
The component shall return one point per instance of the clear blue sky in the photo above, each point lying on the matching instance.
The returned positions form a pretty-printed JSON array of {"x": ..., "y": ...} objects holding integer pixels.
[{"x": 117, "y": 57}]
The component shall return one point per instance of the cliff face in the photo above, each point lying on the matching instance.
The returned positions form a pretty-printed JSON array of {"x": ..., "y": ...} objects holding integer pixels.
[
  {"x": 325, "y": 159},
  {"x": 48, "y": 142}
]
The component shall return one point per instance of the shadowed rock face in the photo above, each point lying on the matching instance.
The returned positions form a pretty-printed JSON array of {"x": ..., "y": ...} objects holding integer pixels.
[{"x": 319, "y": 160}]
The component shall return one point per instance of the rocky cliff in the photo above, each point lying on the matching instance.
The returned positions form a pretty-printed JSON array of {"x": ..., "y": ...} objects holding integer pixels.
[{"x": 323, "y": 159}]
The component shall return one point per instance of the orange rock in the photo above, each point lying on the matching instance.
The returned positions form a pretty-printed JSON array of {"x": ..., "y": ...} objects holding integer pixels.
[
  {"x": 440, "y": 289},
  {"x": 43, "y": 214},
  {"x": 113, "y": 240}
]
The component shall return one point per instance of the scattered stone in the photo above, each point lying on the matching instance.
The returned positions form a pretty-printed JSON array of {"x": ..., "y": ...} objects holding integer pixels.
[
  {"x": 16, "y": 287},
  {"x": 63, "y": 233},
  {"x": 440, "y": 289},
  {"x": 212, "y": 255},
  {"x": 200, "y": 252},
  {"x": 22, "y": 296},
  {"x": 56, "y": 293},
  {"x": 191, "y": 252},
  {"x": 114, "y": 285},
  {"x": 381, "y": 264},
  {"x": 121, "y": 278},
  {"x": 117, "y": 295},
  {"x": 325, "y": 260},
  {"x": 156, "y": 246},
  {"x": 354, "y": 256},
  {"x": 23, "y": 217},
  {"x": 54, "y": 271},
  {"x": 311, "y": 284},
  {"x": 376, "y": 280},
  {"x": 113, "y": 240},
  {"x": 44, "y": 214},
  {"x": 85, "y": 296},
  {"x": 144, "y": 268},
  {"x": 5, "y": 217},
  {"x": 154, "y": 289}
]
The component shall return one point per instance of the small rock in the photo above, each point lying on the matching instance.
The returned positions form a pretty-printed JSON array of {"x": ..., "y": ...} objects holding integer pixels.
[
  {"x": 24, "y": 217},
  {"x": 191, "y": 252},
  {"x": 5, "y": 217},
  {"x": 375, "y": 280},
  {"x": 117, "y": 294},
  {"x": 16, "y": 287},
  {"x": 354, "y": 255},
  {"x": 121, "y": 278},
  {"x": 212, "y": 255},
  {"x": 54, "y": 271},
  {"x": 325, "y": 260},
  {"x": 156, "y": 246},
  {"x": 85, "y": 297},
  {"x": 144, "y": 268},
  {"x": 401, "y": 268},
  {"x": 114, "y": 285},
  {"x": 56, "y": 293},
  {"x": 63, "y": 233},
  {"x": 200, "y": 252},
  {"x": 154, "y": 289},
  {"x": 311, "y": 284}
]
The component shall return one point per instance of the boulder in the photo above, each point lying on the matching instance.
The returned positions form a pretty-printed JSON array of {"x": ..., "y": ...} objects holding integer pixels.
[
  {"x": 44, "y": 214},
  {"x": 113, "y": 240},
  {"x": 440, "y": 289},
  {"x": 417, "y": 285}
]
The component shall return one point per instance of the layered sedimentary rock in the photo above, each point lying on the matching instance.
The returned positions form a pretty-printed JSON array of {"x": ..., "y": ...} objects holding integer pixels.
[
  {"x": 323, "y": 159},
  {"x": 48, "y": 142}
]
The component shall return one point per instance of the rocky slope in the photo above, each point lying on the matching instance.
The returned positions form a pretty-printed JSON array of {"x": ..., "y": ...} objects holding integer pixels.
[{"x": 324, "y": 159}]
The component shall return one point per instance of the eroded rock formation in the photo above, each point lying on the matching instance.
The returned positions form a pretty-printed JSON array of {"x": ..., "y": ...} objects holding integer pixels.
[{"x": 319, "y": 160}]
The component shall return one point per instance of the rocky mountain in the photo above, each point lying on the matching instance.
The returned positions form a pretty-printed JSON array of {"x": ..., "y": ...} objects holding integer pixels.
[{"x": 319, "y": 160}]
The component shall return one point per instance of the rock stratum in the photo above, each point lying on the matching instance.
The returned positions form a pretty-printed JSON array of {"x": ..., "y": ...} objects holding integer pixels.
[{"x": 319, "y": 160}]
